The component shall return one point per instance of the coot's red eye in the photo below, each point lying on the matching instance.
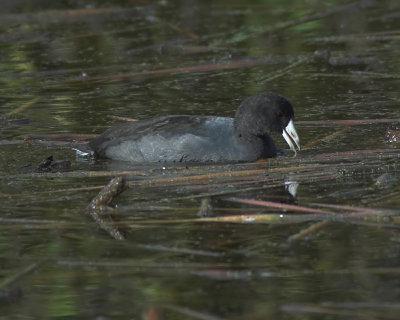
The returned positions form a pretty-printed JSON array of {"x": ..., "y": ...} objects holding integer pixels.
[{"x": 280, "y": 115}]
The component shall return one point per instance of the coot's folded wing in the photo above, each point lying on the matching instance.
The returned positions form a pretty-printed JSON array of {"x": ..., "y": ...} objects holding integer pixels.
[{"x": 169, "y": 138}]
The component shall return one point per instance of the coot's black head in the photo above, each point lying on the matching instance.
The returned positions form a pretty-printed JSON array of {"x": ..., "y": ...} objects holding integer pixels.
[{"x": 263, "y": 113}]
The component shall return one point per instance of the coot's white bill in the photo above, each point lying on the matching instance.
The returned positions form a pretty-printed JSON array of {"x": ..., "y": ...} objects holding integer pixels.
[{"x": 291, "y": 137}]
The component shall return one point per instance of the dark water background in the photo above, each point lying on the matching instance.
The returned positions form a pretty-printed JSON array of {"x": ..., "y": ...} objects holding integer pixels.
[{"x": 66, "y": 67}]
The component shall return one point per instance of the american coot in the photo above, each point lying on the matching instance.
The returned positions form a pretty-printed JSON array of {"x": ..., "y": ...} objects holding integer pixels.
[{"x": 187, "y": 138}]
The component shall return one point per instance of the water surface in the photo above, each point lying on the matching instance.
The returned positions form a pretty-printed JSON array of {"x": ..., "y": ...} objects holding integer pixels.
[{"x": 67, "y": 67}]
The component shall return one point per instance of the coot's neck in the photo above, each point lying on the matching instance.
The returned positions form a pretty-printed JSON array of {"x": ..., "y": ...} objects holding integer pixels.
[
  {"x": 260, "y": 146},
  {"x": 246, "y": 130}
]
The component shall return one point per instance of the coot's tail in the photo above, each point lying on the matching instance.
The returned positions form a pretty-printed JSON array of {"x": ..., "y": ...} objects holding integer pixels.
[{"x": 83, "y": 151}]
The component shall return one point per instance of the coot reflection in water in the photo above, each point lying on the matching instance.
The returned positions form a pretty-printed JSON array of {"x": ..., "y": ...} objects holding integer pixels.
[{"x": 189, "y": 138}]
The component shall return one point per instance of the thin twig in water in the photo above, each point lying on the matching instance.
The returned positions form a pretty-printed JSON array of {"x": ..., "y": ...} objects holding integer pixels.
[
  {"x": 283, "y": 206},
  {"x": 193, "y": 314},
  {"x": 372, "y": 36},
  {"x": 23, "y": 107},
  {"x": 358, "y": 75},
  {"x": 355, "y": 122},
  {"x": 305, "y": 232},
  {"x": 264, "y": 218},
  {"x": 236, "y": 64},
  {"x": 72, "y": 174},
  {"x": 353, "y": 210},
  {"x": 123, "y": 118},
  {"x": 279, "y": 73},
  {"x": 324, "y": 139},
  {"x": 161, "y": 248},
  {"x": 339, "y": 310},
  {"x": 207, "y": 177},
  {"x": 19, "y": 275}
]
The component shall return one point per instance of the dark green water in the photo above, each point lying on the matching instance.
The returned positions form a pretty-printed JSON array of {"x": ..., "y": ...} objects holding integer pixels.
[{"x": 66, "y": 67}]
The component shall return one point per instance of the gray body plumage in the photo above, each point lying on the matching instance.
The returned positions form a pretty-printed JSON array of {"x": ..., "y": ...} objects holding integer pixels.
[{"x": 152, "y": 140}]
